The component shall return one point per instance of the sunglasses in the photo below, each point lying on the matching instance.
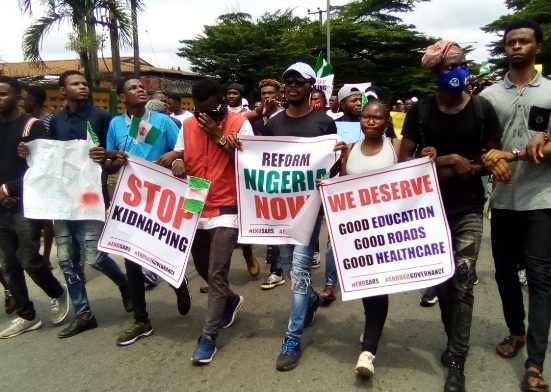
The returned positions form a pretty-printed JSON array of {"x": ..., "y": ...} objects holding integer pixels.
[{"x": 295, "y": 81}]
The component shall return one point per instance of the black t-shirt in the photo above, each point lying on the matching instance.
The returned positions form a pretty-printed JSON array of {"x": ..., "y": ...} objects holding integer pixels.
[
  {"x": 456, "y": 134},
  {"x": 13, "y": 168},
  {"x": 313, "y": 124}
]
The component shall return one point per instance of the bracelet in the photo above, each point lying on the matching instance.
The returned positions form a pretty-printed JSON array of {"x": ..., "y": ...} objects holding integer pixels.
[
  {"x": 545, "y": 136},
  {"x": 516, "y": 154},
  {"x": 174, "y": 161}
]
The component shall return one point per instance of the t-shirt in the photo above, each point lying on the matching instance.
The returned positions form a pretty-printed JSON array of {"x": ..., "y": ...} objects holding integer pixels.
[
  {"x": 118, "y": 138},
  {"x": 531, "y": 185},
  {"x": 457, "y": 133},
  {"x": 13, "y": 168},
  {"x": 313, "y": 124}
]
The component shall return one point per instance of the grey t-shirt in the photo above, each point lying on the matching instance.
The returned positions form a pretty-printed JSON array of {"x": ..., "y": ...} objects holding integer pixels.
[{"x": 531, "y": 185}]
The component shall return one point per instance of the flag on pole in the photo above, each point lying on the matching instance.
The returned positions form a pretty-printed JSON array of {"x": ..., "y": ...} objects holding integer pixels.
[
  {"x": 196, "y": 194},
  {"x": 91, "y": 134},
  {"x": 142, "y": 131},
  {"x": 322, "y": 67}
]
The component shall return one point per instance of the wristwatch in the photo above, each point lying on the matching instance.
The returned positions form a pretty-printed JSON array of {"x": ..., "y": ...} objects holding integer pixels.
[
  {"x": 222, "y": 141},
  {"x": 516, "y": 153}
]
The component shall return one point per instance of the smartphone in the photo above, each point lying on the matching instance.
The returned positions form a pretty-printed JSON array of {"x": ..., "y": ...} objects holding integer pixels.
[{"x": 538, "y": 119}]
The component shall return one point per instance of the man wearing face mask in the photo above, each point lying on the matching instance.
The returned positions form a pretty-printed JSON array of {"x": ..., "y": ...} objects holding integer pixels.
[{"x": 459, "y": 127}]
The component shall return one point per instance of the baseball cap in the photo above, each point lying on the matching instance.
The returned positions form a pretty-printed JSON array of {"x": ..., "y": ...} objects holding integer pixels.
[
  {"x": 346, "y": 91},
  {"x": 303, "y": 69}
]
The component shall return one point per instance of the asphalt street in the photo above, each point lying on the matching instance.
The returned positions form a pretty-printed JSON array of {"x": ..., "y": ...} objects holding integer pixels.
[{"x": 407, "y": 360}]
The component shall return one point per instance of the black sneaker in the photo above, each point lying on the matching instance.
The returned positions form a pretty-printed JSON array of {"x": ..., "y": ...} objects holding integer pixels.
[
  {"x": 125, "y": 295},
  {"x": 455, "y": 382},
  {"x": 311, "y": 312},
  {"x": 79, "y": 324},
  {"x": 183, "y": 298},
  {"x": 290, "y": 354},
  {"x": 429, "y": 298},
  {"x": 136, "y": 331}
]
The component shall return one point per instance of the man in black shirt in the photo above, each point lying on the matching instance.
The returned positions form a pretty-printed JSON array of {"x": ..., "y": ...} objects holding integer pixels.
[
  {"x": 453, "y": 127},
  {"x": 20, "y": 237},
  {"x": 299, "y": 119}
]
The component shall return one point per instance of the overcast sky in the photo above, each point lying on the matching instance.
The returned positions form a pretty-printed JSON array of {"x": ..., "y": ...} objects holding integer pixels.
[{"x": 165, "y": 22}]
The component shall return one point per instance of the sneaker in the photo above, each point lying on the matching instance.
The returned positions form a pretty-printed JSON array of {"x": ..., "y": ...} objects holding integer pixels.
[
  {"x": 20, "y": 325},
  {"x": 455, "y": 381},
  {"x": 233, "y": 305},
  {"x": 126, "y": 299},
  {"x": 429, "y": 298},
  {"x": 205, "y": 350},
  {"x": 522, "y": 277},
  {"x": 9, "y": 302},
  {"x": 272, "y": 281},
  {"x": 136, "y": 331},
  {"x": 79, "y": 324},
  {"x": 290, "y": 354},
  {"x": 60, "y": 307},
  {"x": 183, "y": 298},
  {"x": 150, "y": 279},
  {"x": 316, "y": 261},
  {"x": 364, "y": 366},
  {"x": 311, "y": 312}
]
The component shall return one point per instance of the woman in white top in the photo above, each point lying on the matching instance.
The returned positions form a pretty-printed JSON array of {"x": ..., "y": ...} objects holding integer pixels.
[{"x": 377, "y": 150}]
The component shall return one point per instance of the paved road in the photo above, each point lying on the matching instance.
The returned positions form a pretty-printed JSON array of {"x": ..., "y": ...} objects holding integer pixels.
[{"x": 407, "y": 360}]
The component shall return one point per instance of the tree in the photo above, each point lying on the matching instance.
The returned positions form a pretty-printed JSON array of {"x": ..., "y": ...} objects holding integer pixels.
[
  {"x": 538, "y": 10},
  {"x": 84, "y": 16},
  {"x": 367, "y": 44}
]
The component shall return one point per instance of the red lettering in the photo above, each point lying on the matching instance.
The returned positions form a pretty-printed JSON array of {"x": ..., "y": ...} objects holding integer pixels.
[
  {"x": 181, "y": 214},
  {"x": 405, "y": 190},
  {"x": 337, "y": 202},
  {"x": 395, "y": 191},
  {"x": 262, "y": 207},
  {"x": 427, "y": 184},
  {"x": 152, "y": 190},
  {"x": 385, "y": 194},
  {"x": 278, "y": 208},
  {"x": 295, "y": 204},
  {"x": 374, "y": 195},
  {"x": 417, "y": 185},
  {"x": 166, "y": 205},
  {"x": 134, "y": 198},
  {"x": 365, "y": 199}
]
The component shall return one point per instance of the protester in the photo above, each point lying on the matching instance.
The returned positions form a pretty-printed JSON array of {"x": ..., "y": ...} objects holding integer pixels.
[
  {"x": 19, "y": 236},
  {"x": 299, "y": 119},
  {"x": 174, "y": 102},
  {"x": 334, "y": 108},
  {"x": 133, "y": 95},
  {"x": 459, "y": 128},
  {"x": 209, "y": 141},
  {"x": 234, "y": 98},
  {"x": 156, "y": 105},
  {"x": 521, "y": 211},
  {"x": 270, "y": 95},
  {"x": 318, "y": 100},
  {"x": 350, "y": 101}
]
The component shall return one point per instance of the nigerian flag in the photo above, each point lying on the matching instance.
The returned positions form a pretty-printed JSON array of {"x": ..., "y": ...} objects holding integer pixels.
[
  {"x": 196, "y": 194},
  {"x": 91, "y": 134},
  {"x": 322, "y": 67},
  {"x": 142, "y": 131}
]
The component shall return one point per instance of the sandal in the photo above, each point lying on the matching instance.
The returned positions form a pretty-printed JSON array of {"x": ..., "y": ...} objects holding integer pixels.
[
  {"x": 533, "y": 373},
  {"x": 328, "y": 293},
  {"x": 513, "y": 344}
]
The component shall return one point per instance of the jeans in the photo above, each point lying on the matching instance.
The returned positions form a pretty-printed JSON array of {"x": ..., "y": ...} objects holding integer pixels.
[
  {"x": 212, "y": 251},
  {"x": 330, "y": 267},
  {"x": 19, "y": 253},
  {"x": 455, "y": 296},
  {"x": 83, "y": 234},
  {"x": 522, "y": 238},
  {"x": 299, "y": 263},
  {"x": 375, "y": 310}
]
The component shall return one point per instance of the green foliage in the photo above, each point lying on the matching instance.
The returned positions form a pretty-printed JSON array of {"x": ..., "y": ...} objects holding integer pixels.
[
  {"x": 367, "y": 44},
  {"x": 538, "y": 10}
]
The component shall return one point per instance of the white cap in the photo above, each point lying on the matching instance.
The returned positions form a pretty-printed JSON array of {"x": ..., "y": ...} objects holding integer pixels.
[
  {"x": 414, "y": 99},
  {"x": 303, "y": 69}
]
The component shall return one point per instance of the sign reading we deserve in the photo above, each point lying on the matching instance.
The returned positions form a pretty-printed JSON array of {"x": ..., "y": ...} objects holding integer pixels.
[
  {"x": 275, "y": 177},
  {"x": 146, "y": 222},
  {"x": 388, "y": 230}
]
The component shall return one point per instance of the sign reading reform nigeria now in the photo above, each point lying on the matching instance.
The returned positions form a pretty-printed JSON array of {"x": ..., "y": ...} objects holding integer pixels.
[
  {"x": 388, "y": 230},
  {"x": 146, "y": 222},
  {"x": 275, "y": 177}
]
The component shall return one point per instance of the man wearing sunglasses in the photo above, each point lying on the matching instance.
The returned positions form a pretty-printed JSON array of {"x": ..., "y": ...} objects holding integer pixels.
[{"x": 299, "y": 119}]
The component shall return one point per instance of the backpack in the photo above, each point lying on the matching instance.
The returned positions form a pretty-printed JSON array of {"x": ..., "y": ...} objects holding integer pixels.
[{"x": 424, "y": 115}]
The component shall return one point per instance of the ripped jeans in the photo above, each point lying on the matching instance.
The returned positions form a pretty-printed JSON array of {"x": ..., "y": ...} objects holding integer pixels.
[
  {"x": 298, "y": 263},
  {"x": 71, "y": 236},
  {"x": 455, "y": 296}
]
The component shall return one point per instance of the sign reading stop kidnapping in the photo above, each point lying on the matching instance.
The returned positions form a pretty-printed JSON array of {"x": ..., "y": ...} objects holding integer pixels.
[
  {"x": 275, "y": 177},
  {"x": 388, "y": 230},
  {"x": 147, "y": 223}
]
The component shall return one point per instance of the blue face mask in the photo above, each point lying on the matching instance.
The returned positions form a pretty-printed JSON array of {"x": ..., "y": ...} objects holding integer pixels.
[{"x": 453, "y": 82}]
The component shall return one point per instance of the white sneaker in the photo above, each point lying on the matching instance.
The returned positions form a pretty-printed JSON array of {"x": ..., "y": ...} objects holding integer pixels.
[
  {"x": 316, "y": 261},
  {"x": 20, "y": 325},
  {"x": 364, "y": 367},
  {"x": 60, "y": 307},
  {"x": 272, "y": 281}
]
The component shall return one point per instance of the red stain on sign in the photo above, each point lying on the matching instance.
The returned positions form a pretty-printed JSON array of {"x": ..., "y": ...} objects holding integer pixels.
[{"x": 90, "y": 199}]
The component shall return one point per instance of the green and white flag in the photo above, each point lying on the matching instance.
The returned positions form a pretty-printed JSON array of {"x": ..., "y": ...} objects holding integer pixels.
[
  {"x": 196, "y": 194},
  {"x": 91, "y": 135},
  {"x": 142, "y": 131},
  {"x": 322, "y": 67}
]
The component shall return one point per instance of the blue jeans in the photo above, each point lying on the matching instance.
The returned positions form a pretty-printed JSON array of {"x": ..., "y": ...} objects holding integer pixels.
[
  {"x": 83, "y": 234},
  {"x": 19, "y": 247},
  {"x": 330, "y": 267},
  {"x": 298, "y": 263}
]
